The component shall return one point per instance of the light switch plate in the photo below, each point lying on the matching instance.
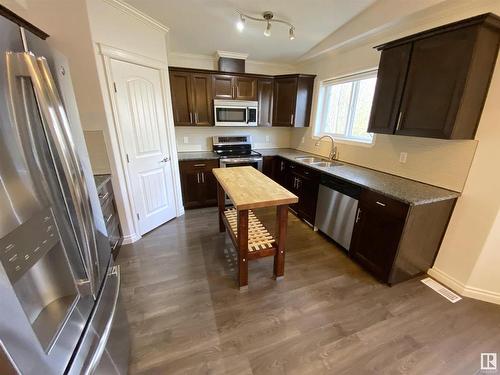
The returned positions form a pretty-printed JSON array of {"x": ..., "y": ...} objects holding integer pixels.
[
  {"x": 302, "y": 140},
  {"x": 268, "y": 139},
  {"x": 186, "y": 139},
  {"x": 402, "y": 157}
]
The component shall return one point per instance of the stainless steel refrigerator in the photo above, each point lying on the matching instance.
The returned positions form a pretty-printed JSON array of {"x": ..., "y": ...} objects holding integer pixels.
[{"x": 60, "y": 310}]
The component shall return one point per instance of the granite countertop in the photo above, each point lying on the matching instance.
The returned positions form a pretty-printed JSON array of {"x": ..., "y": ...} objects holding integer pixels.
[
  {"x": 197, "y": 155},
  {"x": 101, "y": 179},
  {"x": 400, "y": 188}
]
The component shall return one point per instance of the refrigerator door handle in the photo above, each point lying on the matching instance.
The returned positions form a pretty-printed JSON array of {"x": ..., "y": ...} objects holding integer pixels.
[{"x": 56, "y": 123}]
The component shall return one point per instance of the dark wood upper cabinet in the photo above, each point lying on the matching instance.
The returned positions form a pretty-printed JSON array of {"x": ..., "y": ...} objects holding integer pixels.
[
  {"x": 265, "y": 99},
  {"x": 191, "y": 98},
  {"x": 282, "y": 100},
  {"x": 180, "y": 86},
  {"x": 285, "y": 90},
  {"x": 245, "y": 88},
  {"x": 227, "y": 86},
  {"x": 391, "y": 78},
  {"x": 202, "y": 99},
  {"x": 292, "y": 99},
  {"x": 223, "y": 86},
  {"x": 434, "y": 84}
]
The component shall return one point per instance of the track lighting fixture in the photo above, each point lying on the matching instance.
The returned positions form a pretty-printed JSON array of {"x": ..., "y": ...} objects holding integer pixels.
[{"x": 267, "y": 17}]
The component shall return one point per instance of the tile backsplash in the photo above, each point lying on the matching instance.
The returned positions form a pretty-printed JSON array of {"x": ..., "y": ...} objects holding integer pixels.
[{"x": 200, "y": 139}]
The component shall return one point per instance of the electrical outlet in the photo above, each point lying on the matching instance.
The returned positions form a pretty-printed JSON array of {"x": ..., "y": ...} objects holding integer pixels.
[
  {"x": 268, "y": 139},
  {"x": 402, "y": 157},
  {"x": 302, "y": 140},
  {"x": 186, "y": 139}
]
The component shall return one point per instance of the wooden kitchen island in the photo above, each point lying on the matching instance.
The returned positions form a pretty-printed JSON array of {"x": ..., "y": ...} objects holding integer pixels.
[{"x": 247, "y": 188}]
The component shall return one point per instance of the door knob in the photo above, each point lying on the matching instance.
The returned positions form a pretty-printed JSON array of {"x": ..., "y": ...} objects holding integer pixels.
[{"x": 165, "y": 159}]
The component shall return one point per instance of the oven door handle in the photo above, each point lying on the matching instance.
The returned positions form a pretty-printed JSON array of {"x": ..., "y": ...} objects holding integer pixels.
[{"x": 241, "y": 160}]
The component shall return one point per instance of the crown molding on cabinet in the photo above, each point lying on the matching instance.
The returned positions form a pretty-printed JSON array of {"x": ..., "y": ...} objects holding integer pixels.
[
  {"x": 136, "y": 13},
  {"x": 231, "y": 55},
  {"x": 213, "y": 59}
]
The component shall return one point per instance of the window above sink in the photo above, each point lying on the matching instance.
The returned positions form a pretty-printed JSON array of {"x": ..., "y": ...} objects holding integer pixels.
[{"x": 344, "y": 106}]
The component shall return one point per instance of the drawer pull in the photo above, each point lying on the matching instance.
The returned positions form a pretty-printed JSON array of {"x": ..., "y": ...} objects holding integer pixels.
[
  {"x": 103, "y": 197},
  {"x": 381, "y": 204},
  {"x": 200, "y": 165},
  {"x": 109, "y": 218}
]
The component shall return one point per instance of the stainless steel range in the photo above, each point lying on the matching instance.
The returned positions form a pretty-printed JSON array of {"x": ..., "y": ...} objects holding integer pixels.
[{"x": 236, "y": 151}]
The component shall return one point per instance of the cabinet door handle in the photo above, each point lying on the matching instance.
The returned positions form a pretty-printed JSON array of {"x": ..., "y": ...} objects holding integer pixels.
[
  {"x": 291, "y": 118},
  {"x": 190, "y": 117},
  {"x": 282, "y": 168},
  {"x": 198, "y": 177},
  {"x": 399, "y": 120},
  {"x": 196, "y": 117},
  {"x": 381, "y": 204},
  {"x": 200, "y": 165},
  {"x": 358, "y": 215},
  {"x": 203, "y": 177}
]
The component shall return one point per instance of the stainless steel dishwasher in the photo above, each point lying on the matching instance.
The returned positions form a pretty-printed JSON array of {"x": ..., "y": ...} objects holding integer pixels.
[{"x": 336, "y": 209}]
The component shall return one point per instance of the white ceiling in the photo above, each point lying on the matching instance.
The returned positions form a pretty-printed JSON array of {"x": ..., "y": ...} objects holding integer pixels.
[{"x": 205, "y": 26}]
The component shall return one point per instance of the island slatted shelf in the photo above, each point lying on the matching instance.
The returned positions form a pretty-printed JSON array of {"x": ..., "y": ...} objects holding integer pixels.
[{"x": 247, "y": 188}]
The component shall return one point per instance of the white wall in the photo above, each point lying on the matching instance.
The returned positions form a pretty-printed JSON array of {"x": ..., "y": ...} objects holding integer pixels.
[
  {"x": 200, "y": 138},
  {"x": 469, "y": 258}
]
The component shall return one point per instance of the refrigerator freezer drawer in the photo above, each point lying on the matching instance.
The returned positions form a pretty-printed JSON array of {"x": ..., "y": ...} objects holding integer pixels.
[{"x": 104, "y": 347}]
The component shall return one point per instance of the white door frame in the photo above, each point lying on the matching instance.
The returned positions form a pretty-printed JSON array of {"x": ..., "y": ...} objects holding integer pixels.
[{"x": 109, "y": 53}]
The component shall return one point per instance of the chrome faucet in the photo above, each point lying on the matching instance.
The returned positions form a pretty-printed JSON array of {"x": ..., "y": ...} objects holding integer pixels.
[{"x": 333, "y": 150}]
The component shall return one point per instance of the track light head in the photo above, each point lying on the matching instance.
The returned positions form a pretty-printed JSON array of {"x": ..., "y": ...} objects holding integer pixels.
[
  {"x": 240, "y": 25},
  {"x": 267, "y": 31}
]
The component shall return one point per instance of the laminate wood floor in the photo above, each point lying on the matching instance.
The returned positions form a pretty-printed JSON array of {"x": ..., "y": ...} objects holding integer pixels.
[{"x": 328, "y": 316}]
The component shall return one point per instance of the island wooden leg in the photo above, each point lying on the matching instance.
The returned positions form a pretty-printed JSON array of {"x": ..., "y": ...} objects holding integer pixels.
[
  {"x": 221, "y": 203},
  {"x": 242, "y": 249},
  {"x": 281, "y": 226}
]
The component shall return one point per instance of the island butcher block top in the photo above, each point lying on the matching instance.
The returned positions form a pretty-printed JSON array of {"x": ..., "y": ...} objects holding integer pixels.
[{"x": 248, "y": 188}]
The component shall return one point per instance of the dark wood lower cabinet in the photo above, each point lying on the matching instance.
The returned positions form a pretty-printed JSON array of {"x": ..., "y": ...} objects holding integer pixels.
[
  {"x": 396, "y": 241},
  {"x": 199, "y": 188},
  {"x": 303, "y": 182},
  {"x": 378, "y": 229},
  {"x": 268, "y": 166}
]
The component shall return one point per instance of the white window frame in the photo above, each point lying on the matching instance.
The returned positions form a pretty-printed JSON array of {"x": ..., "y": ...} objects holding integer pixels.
[{"x": 320, "y": 113}]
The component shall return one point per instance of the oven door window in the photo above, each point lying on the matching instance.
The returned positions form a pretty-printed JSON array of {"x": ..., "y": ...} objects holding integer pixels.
[{"x": 230, "y": 114}]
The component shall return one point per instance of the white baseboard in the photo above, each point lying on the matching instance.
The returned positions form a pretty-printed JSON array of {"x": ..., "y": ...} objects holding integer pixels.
[
  {"x": 131, "y": 238},
  {"x": 463, "y": 289}
]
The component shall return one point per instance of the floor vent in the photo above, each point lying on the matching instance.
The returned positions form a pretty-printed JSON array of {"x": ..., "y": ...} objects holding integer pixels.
[{"x": 445, "y": 292}]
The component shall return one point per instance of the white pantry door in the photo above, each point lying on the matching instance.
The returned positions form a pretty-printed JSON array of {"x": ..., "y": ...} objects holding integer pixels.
[{"x": 142, "y": 123}]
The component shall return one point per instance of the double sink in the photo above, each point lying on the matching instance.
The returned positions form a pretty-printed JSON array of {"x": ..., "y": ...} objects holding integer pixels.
[{"x": 317, "y": 162}]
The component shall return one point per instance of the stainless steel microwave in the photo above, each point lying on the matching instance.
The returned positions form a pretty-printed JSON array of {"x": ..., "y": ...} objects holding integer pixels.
[{"x": 235, "y": 113}]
